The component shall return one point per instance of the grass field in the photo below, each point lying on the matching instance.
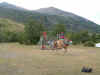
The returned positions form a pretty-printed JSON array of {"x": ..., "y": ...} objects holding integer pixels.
[{"x": 16, "y": 59}]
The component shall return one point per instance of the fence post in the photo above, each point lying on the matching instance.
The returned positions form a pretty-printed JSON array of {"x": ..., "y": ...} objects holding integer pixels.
[{"x": 44, "y": 41}]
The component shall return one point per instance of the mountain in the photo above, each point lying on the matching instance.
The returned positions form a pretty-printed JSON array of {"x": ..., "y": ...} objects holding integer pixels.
[
  {"x": 59, "y": 12},
  {"x": 14, "y": 12},
  {"x": 70, "y": 19},
  {"x": 7, "y": 5},
  {"x": 54, "y": 11},
  {"x": 48, "y": 16}
]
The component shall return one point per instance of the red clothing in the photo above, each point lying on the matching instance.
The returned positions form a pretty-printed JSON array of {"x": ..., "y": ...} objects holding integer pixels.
[{"x": 66, "y": 44}]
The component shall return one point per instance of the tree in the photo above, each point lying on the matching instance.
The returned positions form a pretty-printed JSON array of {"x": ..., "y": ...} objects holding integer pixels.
[
  {"x": 80, "y": 37},
  {"x": 59, "y": 28},
  {"x": 84, "y": 36},
  {"x": 76, "y": 38},
  {"x": 33, "y": 31},
  {"x": 95, "y": 38}
]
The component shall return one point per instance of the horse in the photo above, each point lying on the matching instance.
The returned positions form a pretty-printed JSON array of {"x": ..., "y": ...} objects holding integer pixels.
[{"x": 59, "y": 44}]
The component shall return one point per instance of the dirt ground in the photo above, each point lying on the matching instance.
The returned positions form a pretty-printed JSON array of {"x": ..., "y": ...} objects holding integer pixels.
[{"x": 16, "y": 59}]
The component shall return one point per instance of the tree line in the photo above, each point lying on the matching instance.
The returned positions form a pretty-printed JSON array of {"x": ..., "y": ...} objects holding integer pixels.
[{"x": 33, "y": 31}]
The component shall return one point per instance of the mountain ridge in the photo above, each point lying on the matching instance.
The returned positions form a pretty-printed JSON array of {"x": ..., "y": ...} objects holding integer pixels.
[
  {"x": 49, "y": 10},
  {"x": 50, "y": 17}
]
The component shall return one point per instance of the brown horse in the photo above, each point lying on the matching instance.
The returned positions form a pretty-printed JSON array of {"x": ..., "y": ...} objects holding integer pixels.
[{"x": 59, "y": 44}]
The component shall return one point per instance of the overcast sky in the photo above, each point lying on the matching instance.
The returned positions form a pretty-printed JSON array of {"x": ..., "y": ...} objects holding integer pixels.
[{"x": 89, "y": 9}]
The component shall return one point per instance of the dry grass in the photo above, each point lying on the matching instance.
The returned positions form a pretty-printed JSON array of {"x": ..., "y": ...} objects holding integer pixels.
[{"x": 16, "y": 59}]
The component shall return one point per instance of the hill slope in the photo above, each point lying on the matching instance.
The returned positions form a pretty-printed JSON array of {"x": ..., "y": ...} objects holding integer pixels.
[
  {"x": 49, "y": 16},
  {"x": 77, "y": 22},
  {"x": 8, "y": 25}
]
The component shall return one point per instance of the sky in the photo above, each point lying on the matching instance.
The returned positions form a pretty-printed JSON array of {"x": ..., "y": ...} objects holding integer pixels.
[{"x": 89, "y": 9}]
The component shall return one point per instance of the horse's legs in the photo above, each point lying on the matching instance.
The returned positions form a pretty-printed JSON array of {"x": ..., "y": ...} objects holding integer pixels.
[{"x": 65, "y": 50}]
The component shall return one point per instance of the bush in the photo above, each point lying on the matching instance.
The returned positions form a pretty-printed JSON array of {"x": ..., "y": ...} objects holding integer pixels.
[
  {"x": 7, "y": 36},
  {"x": 89, "y": 44},
  {"x": 75, "y": 43}
]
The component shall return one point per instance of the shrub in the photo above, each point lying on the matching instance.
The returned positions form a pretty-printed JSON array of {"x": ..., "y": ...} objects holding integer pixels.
[
  {"x": 89, "y": 44},
  {"x": 75, "y": 43}
]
